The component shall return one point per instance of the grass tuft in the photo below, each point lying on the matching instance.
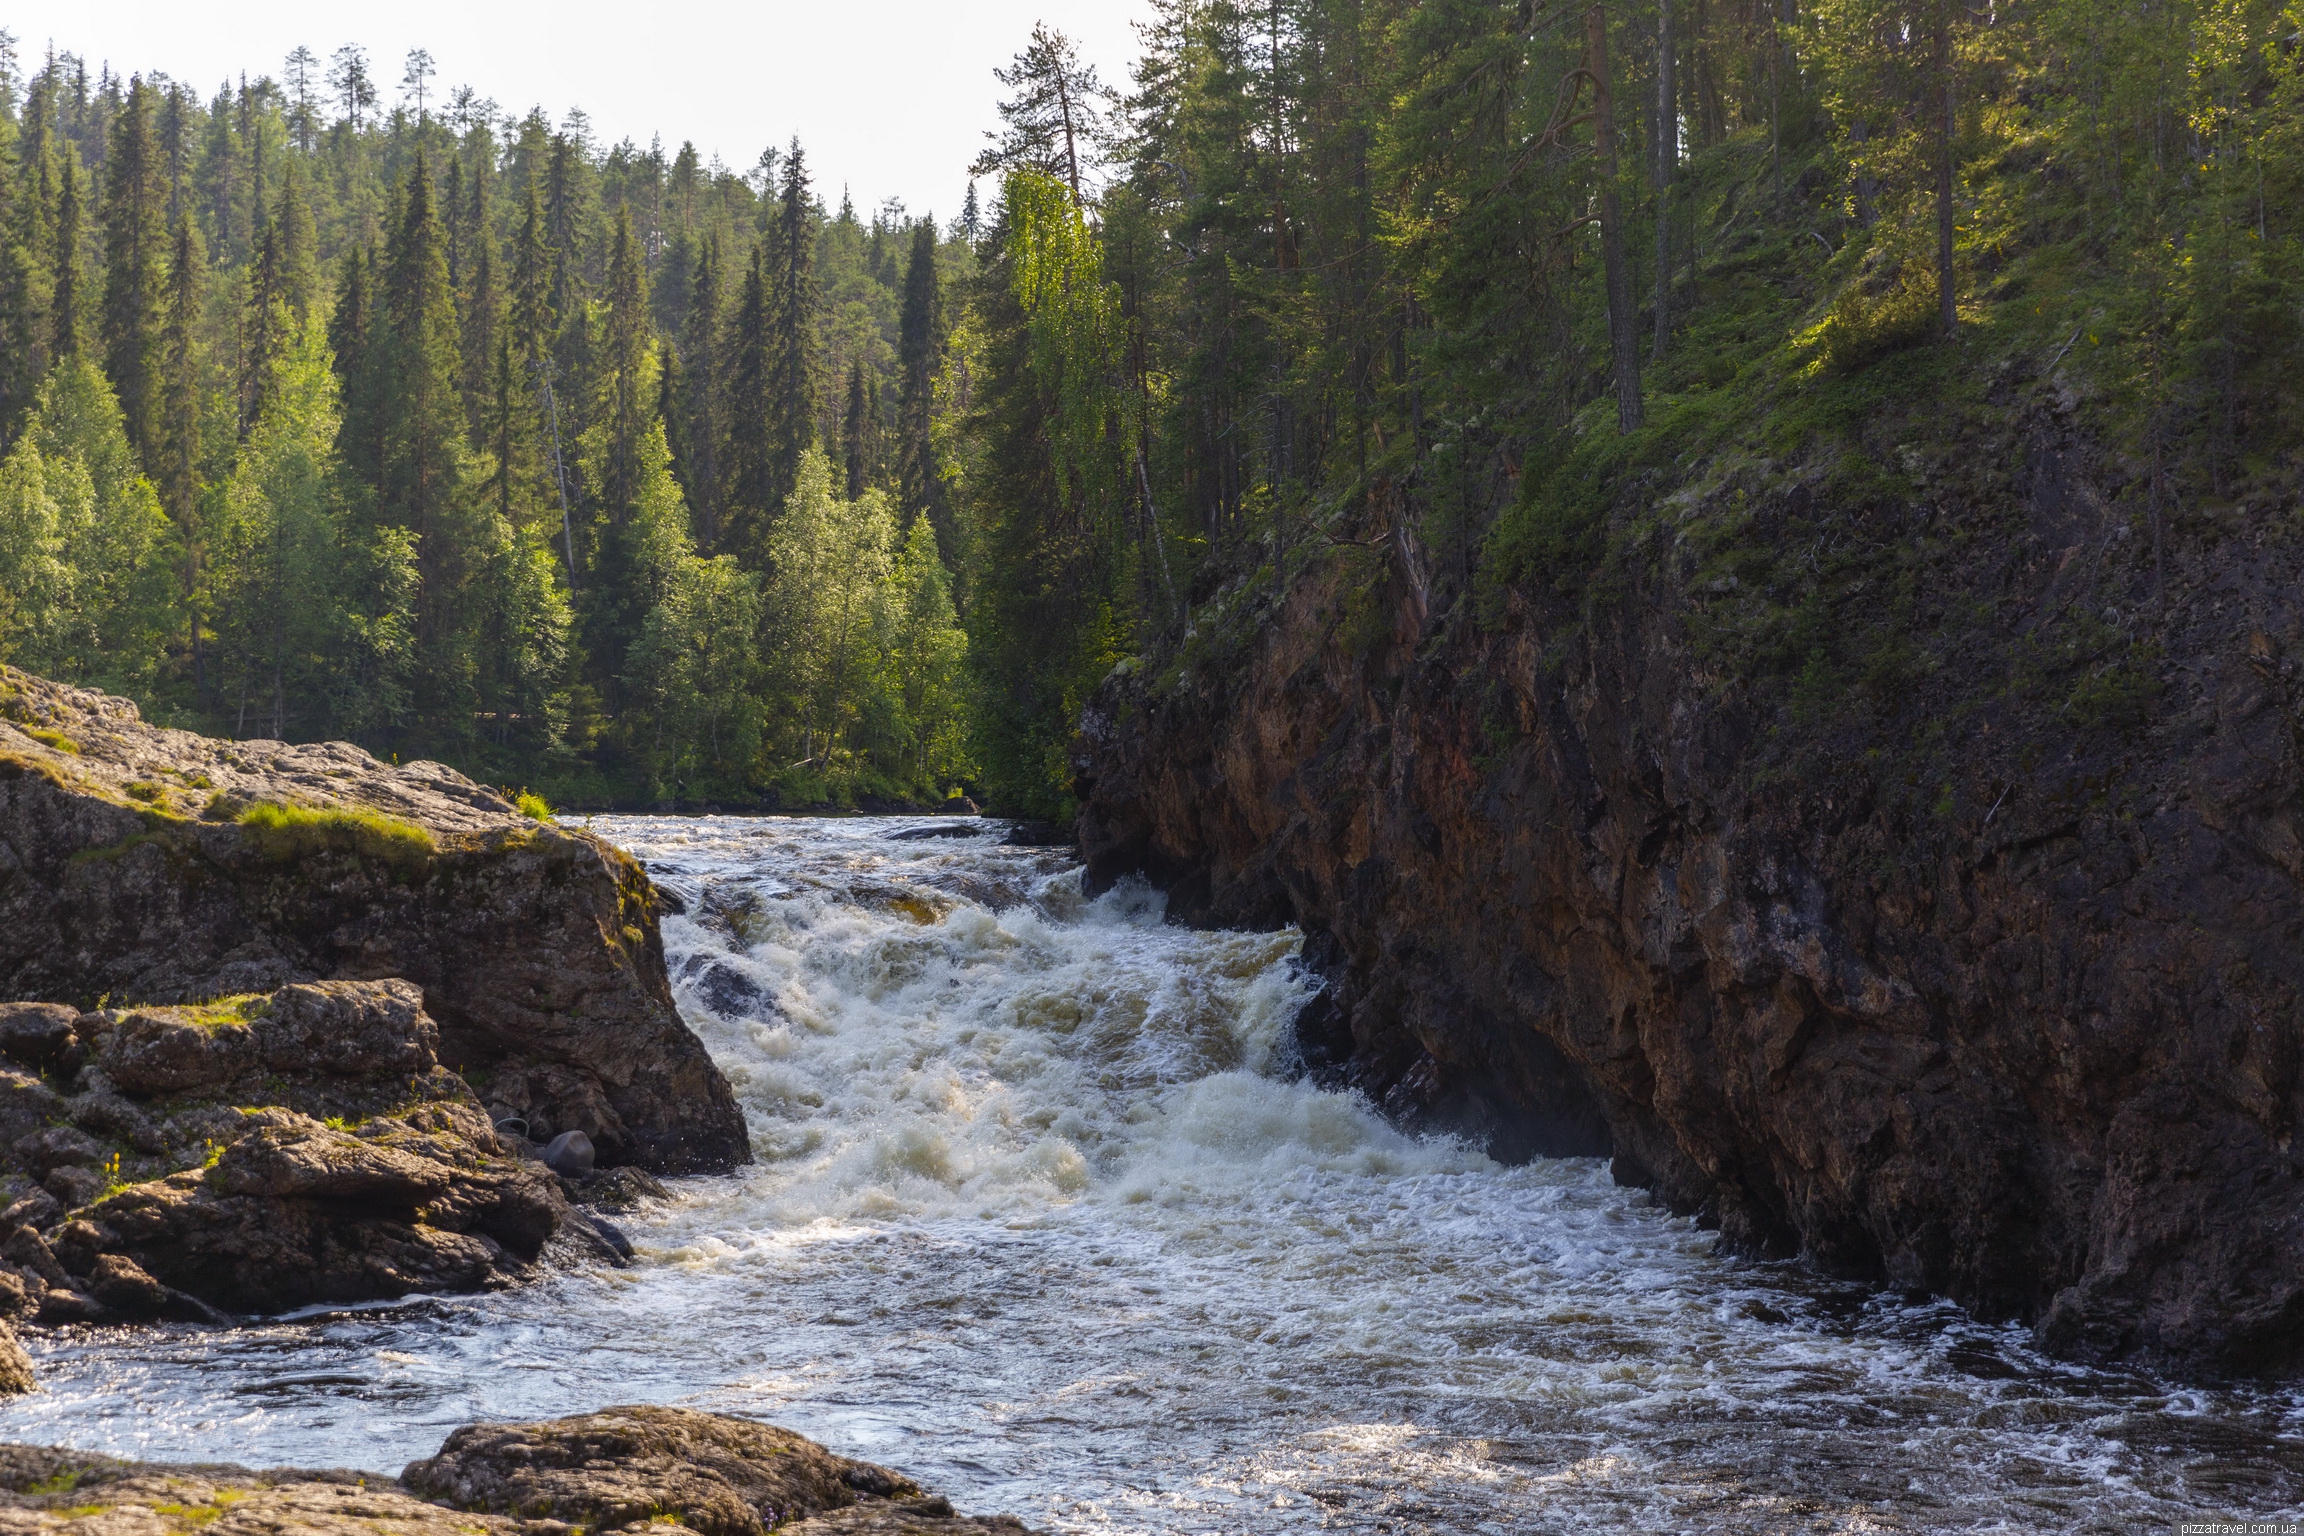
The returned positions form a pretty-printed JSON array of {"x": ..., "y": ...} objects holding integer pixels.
[
  {"x": 56, "y": 740},
  {"x": 533, "y": 806}
]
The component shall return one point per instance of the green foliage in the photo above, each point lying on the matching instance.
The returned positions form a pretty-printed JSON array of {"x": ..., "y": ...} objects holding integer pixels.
[
  {"x": 288, "y": 832},
  {"x": 533, "y": 806}
]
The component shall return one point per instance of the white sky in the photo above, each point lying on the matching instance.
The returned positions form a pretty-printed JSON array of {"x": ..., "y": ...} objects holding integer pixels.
[{"x": 891, "y": 97}]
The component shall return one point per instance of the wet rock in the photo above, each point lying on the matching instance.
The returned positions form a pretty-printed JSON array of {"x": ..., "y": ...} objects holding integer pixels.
[
  {"x": 122, "y": 1285},
  {"x": 1037, "y": 834},
  {"x": 614, "y": 1189},
  {"x": 637, "y": 1470},
  {"x": 16, "y": 1376},
  {"x": 65, "y": 1307},
  {"x": 944, "y": 829},
  {"x": 569, "y": 1154},
  {"x": 718, "y": 1476},
  {"x": 534, "y": 945}
]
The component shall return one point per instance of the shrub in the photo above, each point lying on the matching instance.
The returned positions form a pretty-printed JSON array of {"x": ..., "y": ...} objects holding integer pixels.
[
  {"x": 533, "y": 806},
  {"x": 1864, "y": 327},
  {"x": 284, "y": 832}
]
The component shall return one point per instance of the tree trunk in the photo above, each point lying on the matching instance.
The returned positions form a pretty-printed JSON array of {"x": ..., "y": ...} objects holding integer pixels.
[{"x": 1621, "y": 340}]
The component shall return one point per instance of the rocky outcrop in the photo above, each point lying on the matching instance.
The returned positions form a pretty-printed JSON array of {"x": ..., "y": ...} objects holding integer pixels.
[
  {"x": 1986, "y": 983},
  {"x": 145, "y": 865},
  {"x": 254, "y": 1154},
  {"x": 635, "y": 1470}
]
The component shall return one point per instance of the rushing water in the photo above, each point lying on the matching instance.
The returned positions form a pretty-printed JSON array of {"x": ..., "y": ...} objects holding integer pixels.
[{"x": 1039, "y": 1216}]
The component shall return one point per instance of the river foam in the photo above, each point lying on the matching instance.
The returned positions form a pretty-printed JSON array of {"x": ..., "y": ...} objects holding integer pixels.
[{"x": 1041, "y": 1216}]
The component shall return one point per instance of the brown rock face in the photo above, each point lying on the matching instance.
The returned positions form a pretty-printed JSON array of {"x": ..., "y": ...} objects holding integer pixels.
[
  {"x": 2035, "y": 1047},
  {"x": 129, "y": 878},
  {"x": 634, "y": 1470}
]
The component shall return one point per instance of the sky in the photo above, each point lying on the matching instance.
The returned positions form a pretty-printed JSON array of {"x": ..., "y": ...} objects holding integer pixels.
[{"x": 891, "y": 98}]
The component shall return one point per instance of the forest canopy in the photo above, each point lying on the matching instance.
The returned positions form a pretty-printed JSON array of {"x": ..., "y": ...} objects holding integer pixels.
[{"x": 642, "y": 479}]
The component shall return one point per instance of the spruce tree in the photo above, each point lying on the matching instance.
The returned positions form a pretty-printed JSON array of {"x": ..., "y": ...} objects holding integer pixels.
[
  {"x": 421, "y": 488},
  {"x": 919, "y": 344},
  {"x": 855, "y": 433},
  {"x": 352, "y": 342},
  {"x": 792, "y": 336},
  {"x": 68, "y": 292},
  {"x": 629, "y": 401},
  {"x": 180, "y": 423},
  {"x": 746, "y": 458},
  {"x": 480, "y": 304},
  {"x": 135, "y": 254},
  {"x": 701, "y": 398},
  {"x": 20, "y": 344}
]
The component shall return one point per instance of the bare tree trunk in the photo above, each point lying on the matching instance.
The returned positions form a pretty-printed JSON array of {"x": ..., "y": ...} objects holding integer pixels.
[
  {"x": 1621, "y": 339},
  {"x": 1667, "y": 166}
]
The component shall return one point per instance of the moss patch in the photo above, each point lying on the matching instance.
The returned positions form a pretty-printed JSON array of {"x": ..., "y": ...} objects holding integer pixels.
[
  {"x": 286, "y": 832},
  {"x": 54, "y": 739}
]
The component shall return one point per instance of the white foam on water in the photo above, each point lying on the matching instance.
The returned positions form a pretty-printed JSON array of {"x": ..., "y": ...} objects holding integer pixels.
[{"x": 1038, "y": 1215}]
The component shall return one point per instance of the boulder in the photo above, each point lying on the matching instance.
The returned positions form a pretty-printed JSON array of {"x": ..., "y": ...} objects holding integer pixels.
[
  {"x": 161, "y": 867},
  {"x": 626, "y": 1466},
  {"x": 621, "y": 1469}
]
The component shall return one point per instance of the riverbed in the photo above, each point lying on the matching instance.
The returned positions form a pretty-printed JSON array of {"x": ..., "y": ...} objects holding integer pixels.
[{"x": 1042, "y": 1216}]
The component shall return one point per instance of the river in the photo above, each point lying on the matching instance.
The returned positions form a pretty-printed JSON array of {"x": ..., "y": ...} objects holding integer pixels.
[{"x": 1040, "y": 1217}]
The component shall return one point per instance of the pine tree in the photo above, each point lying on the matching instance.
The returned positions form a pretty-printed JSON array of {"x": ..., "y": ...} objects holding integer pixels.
[
  {"x": 135, "y": 254},
  {"x": 792, "y": 335},
  {"x": 279, "y": 300}
]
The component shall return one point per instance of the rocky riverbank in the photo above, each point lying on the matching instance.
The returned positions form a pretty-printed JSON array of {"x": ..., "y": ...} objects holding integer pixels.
[
  {"x": 622, "y": 1469},
  {"x": 254, "y": 1154},
  {"x": 1985, "y": 984},
  {"x": 148, "y": 865}
]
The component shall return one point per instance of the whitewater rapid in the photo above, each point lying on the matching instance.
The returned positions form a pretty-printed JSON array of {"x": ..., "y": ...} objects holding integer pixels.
[{"x": 1041, "y": 1216}]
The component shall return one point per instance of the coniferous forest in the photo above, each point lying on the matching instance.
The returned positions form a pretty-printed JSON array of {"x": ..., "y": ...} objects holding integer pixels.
[{"x": 339, "y": 405}]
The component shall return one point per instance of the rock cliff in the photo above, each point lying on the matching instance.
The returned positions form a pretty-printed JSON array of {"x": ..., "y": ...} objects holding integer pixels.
[
  {"x": 1981, "y": 981},
  {"x": 636, "y": 1470},
  {"x": 145, "y": 865}
]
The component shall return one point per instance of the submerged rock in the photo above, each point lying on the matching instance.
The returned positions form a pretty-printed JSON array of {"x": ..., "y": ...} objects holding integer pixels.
[
  {"x": 294, "y": 1147},
  {"x": 640, "y": 1470},
  {"x": 155, "y": 866}
]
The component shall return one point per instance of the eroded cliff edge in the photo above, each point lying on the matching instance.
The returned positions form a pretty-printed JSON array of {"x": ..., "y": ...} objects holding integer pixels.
[
  {"x": 1982, "y": 980},
  {"x": 146, "y": 865}
]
